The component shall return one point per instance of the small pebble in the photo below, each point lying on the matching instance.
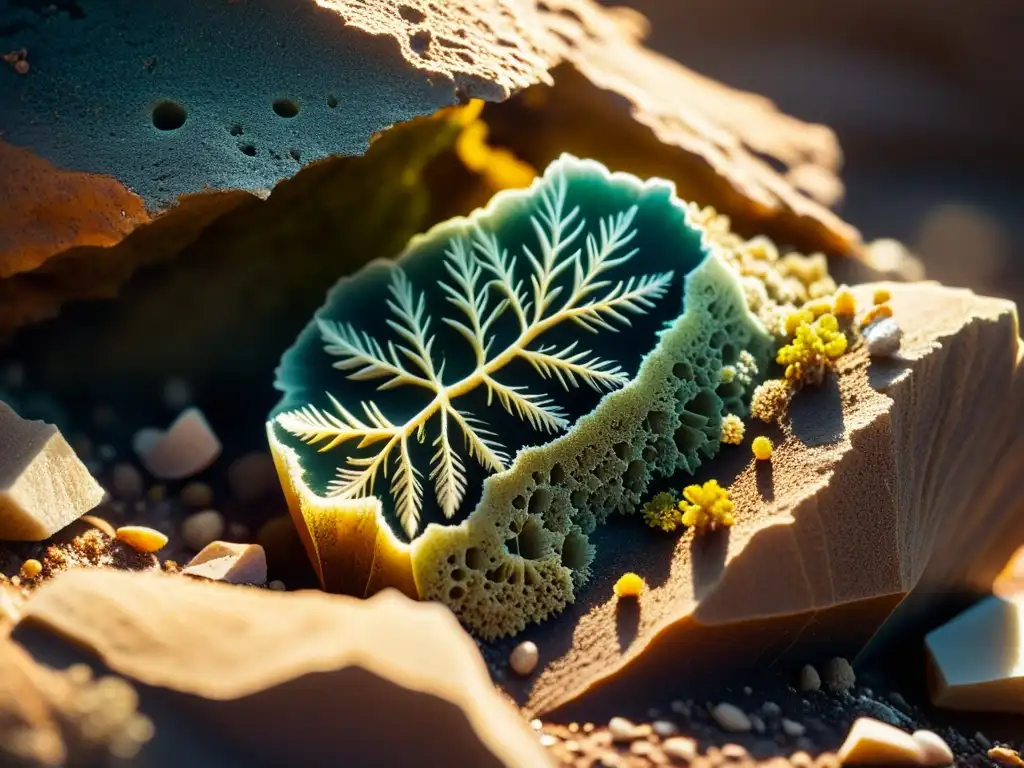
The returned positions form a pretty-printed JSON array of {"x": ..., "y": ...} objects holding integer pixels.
[
  {"x": 277, "y": 585},
  {"x": 899, "y": 701},
  {"x": 883, "y": 337},
  {"x": 197, "y": 495},
  {"x": 731, "y": 718},
  {"x": 748, "y": 690},
  {"x": 31, "y": 568},
  {"x": 792, "y": 728},
  {"x": 801, "y": 759},
  {"x": 680, "y": 708},
  {"x": 536, "y": 724},
  {"x": 127, "y": 482},
  {"x": 642, "y": 748},
  {"x": 141, "y": 538},
  {"x": 621, "y": 729},
  {"x": 238, "y": 531},
  {"x": 107, "y": 452},
  {"x": 610, "y": 759},
  {"x": 770, "y": 709},
  {"x": 680, "y": 748},
  {"x": 547, "y": 740},
  {"x": 524, "y": 658},
  {"x": 934, "y": 750},
  {"x": 665, "y": 728},
  {"x": 810, "y": 680},
  {"x": 200, "y": 529},
  {"x": 757, "y": 724},
  {"x": 839, "y": 676},
  {"x": 735, "y": 752},
  {"x": 982, "y": 740}
]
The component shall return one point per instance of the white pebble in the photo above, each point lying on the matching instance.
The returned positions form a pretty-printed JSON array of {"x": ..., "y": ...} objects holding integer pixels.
[
  {"x": 621, "y": 729},
  {"x": 792, "y": 728},
  {"x": 128, "y": 482},
  {"x": 680, "y": 748},
  {"x": 524, "y": 657},
  {"x": 810, "y": 680},
  {"x": 202, "y": 528},
  {"x": 935, "y": 751},
  {"x": 665, "y": 728},
  {"x": 839, "y": 676},
  {"x": 547, "y": 740},
  {"x": 731, "y": 718},
  {"x": 883, "y": 337},
  {"x": 187, "y": 447}
]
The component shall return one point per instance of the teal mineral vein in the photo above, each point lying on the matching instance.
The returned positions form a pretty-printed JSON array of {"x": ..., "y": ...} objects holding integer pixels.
[{"x": 568, "y": 281}]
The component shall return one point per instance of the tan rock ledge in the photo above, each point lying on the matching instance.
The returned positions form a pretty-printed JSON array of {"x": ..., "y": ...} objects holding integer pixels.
[
  {"x": 900, "y": 473},
  {"x": 295, "y": 677}
]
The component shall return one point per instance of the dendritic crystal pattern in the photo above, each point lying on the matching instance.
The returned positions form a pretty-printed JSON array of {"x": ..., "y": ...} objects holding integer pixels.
[
  {"x": 482, "y": 284},
  {"x": 458, "y": 422}
]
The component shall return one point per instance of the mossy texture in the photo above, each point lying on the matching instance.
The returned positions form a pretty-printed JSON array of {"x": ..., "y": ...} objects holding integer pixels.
[{"x": 516, "y": 545}]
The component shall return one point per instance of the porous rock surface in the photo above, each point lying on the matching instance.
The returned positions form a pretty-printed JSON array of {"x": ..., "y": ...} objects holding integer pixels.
[
  {"x": 296, "y": 678},
  {"x": 100, "y": 144},
  {"x": 875, "y": 489}
]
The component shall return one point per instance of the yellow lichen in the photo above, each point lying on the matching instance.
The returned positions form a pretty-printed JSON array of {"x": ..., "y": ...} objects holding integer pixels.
[
  {"x": 795, "y": 319},
  {"x": 728, "y": 374},
  {"x": 732, "y": 429},
  {"x": 629, "y": 585},
  {"x": 844, "y": 305},
  {"x": 875, "y": 313},
  {"x": 706, "y": 507},
  {"x": 881, "y": 296},
  {"x": 762, "y": 448},
  {"x": 814, "y": 346},
  {"x": 770, "y": 399},
  {"x": 662, "y": 512}
]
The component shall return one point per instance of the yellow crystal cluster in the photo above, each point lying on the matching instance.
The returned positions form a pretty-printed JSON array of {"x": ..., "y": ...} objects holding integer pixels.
[{"x": 815, "y": 344}]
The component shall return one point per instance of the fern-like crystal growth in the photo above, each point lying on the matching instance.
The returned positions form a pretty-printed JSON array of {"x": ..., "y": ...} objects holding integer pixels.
[{"x": 481, "y": 286}]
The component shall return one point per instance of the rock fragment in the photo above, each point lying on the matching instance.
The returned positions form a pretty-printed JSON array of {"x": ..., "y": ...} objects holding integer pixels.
[
  {"x": 934, "y": 749},
  {"x": 871, "y": 742},
  {"x": 187, "y": 447},
  {"x": 412, "y": 660},
  {"x": 975, "y": 657},
  {"x": 43, "y": 484},
  {"x": 142, "y": 538},
  {"x": 883, "y": 337},
  {"x": 229, "y": 562}
]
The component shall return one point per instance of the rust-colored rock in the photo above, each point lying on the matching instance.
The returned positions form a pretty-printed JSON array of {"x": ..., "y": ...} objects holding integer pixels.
[
  {"x": 874, "y": 489},
  {"x": 657, "y": 118},
  {"x": 294, "y": 677}
]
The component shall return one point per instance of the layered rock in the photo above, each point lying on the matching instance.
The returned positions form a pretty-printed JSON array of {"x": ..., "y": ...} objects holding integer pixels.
[
  {"x": 152, "y": 100},
  {"x": 294, "y": 678},
  {"x": 875, "y": 490}
]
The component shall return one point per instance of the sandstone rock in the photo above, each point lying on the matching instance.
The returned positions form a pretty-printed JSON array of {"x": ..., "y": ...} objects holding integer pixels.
[
  {"x": 871, "y": 742},
  {"x": 934, "y": 749},
  {"x": 202, "y": 528},
  {"x": 291, "y": 676},
  {"x": 76, "y": 197},
  {"x": 187, "y": 447},
  {"x": 233, "y": 563},
  {"x": 43, "y": 484},
  {"x": 975, "y": 658},
  {"x": 839, "y": 676},
  {"x": 872, "y": 469}
]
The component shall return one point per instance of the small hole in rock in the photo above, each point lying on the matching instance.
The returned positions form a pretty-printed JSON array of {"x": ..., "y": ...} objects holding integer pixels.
[
  {"x": 296, "y": 155},
  {"x": 456, "y": 592},
  {"x": 286, "y": 108},
  {"x": 557, "y": 474},
  {"x": 169, "y": 116},
  {"x": 420, "y": 42},
  {"x": 332, "y": 101},
  {"x": 458, "y": 574},
  {"x": 235, "y": 130},
  {"x": 474, "y": 559},
  {"x": 410, "y": 14},
  {"x": 248, "y": 149}
]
